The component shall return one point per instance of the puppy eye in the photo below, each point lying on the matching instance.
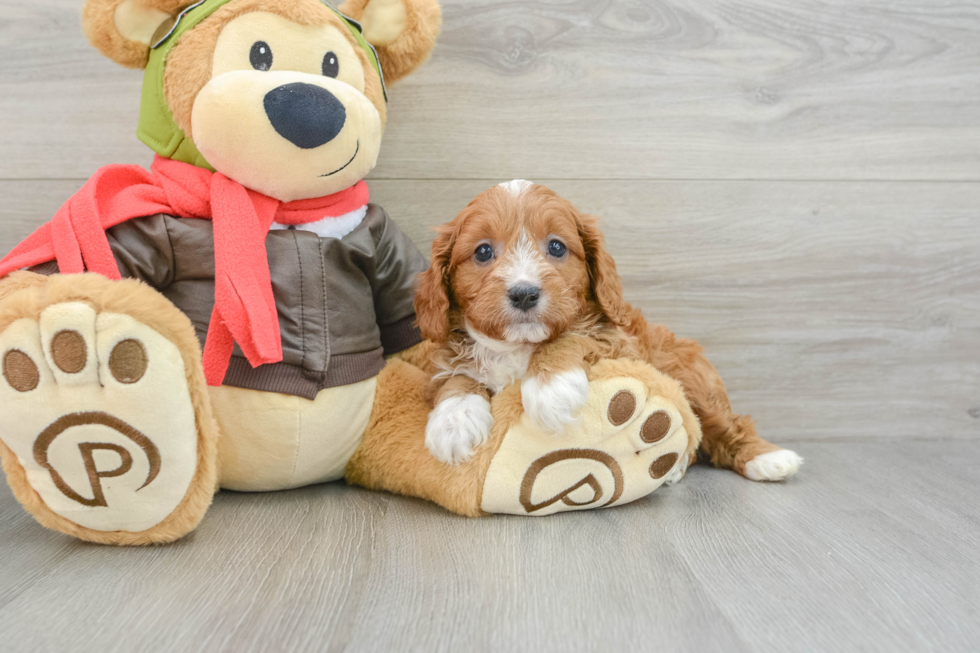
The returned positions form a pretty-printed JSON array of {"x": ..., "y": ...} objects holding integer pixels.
[
  {"x": 261, "y": 56},
  {"x": 330, "y": 64},
  {"x": 483, "y": 253},
  {"x": 557, "y": 248}
]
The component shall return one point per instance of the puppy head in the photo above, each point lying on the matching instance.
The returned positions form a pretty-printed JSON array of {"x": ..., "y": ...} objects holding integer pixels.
[{"x": 519, "y": 264}]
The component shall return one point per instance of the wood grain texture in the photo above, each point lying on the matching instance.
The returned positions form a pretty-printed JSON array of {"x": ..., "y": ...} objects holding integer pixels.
[
  {"x": 635, "y": 89},
  {"x": 832, "y": 310},
  {"x": 871, "y": 548}
]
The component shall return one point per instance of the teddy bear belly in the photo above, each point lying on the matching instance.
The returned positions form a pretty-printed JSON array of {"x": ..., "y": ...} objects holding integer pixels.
[{"x": 272, "y": 441}]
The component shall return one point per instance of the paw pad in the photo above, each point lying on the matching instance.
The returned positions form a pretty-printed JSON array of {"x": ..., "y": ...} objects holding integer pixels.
[
  {"x": 621, "y": 408},
  {"x": 20, "y": 371},
  {"x": 68, "y": 351},
  {"x": 655, "y": 427},
  {"x": 127, "y": 362},
  {"x": 662, "y": 465}
]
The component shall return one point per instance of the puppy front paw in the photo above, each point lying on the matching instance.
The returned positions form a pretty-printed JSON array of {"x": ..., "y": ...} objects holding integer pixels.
[
  {"x": 555, "y": 403},
  {"x": 457, "y": 426}
]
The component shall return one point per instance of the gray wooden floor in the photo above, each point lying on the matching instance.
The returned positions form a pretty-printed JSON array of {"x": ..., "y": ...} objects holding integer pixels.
[
  {"x": 796, "y": 183},
  {"x": 873, "y": 548}
]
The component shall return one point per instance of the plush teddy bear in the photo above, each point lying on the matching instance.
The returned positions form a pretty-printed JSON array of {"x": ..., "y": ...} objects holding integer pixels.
[{"x": 253, "y": 237}]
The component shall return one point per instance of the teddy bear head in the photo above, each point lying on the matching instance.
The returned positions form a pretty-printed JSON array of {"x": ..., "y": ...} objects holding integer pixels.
[{"x": 286, "y": 97}]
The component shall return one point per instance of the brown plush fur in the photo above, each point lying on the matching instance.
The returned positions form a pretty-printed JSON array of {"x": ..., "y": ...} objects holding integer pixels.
[
  {"x": 393, "y": 455},
  {"x": 132, "y": 298},
  {"x": 602, "y": 326},
  {"x": 20, "y": 281},
  {"x": 412, "y": 47},
  {"x": 419, "y": 355},
  {"x": 99, "y": 25}
]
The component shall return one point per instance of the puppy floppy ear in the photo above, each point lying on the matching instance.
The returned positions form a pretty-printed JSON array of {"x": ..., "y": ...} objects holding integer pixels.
[
  {"x": 402, "y": 31},
  {"x": 432, "y": 299},
  {"x": 606, "y": 285},
  {"x": 123, "y": 30}
]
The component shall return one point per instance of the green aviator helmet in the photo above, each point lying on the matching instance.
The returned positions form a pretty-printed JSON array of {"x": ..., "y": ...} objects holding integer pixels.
[{"x": 157, "y": 127}]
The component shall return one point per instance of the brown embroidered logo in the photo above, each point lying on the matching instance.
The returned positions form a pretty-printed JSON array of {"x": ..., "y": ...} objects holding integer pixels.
[
  {"x": 95, "y": 477},
  {"x": 542, "y": 463}
]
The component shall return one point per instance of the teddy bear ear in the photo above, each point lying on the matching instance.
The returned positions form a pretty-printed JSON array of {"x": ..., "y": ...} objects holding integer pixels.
[
  {"x": 123, "y": 30},
  {"x": 402, "y": 31}
]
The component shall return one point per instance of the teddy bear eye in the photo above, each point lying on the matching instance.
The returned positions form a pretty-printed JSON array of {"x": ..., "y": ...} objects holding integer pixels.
[
  {"x": 261, "y": 56},
  {"x": 330, "y": 64},
  {"x": 483, "y": 253}
]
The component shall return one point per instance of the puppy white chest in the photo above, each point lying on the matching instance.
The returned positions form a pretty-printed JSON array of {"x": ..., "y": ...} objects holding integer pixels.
[
  {"x": 496, "y": 370},
  {"x": 497, "y": 364}
]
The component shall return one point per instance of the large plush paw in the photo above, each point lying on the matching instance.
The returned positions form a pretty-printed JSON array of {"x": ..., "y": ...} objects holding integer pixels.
[
  {"x": 636, "y": 430},
  {"x": 98, "y": 414},
  {"x": 457, "y": 426},
  {"x": 555, "y": 402},
  {"x": 773, "y": 466}
]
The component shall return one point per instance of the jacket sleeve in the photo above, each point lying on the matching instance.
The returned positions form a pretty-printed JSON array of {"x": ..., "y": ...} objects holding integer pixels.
[
  {"x": 397, "y": 264},
  {"x": 142, "y": 249}
]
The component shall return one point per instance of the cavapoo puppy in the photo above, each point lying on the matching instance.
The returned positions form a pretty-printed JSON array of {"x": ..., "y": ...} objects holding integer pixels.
[{"x": 521, "y": 288}]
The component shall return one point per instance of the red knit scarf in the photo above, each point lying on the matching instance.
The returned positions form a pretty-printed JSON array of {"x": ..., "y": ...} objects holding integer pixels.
[{"x": 244, "y": 307}]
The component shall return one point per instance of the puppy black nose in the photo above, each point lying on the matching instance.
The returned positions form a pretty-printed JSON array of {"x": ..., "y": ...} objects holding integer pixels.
[
  {"x": 524, "y": 297},
  {"x": 305, "y": 115}
]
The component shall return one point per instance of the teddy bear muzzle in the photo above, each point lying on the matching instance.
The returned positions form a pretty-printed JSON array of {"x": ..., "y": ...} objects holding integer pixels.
[{"x": 286, "y": 134}]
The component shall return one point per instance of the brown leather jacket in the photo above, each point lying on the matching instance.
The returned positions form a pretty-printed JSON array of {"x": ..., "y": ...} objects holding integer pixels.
[{"x": 343, "y": 303}]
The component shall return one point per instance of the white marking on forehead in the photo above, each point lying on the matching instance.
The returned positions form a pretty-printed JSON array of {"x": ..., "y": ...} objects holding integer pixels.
[
  {"x": 516, "y": 187},
  {"x": 523, "y": 264}
]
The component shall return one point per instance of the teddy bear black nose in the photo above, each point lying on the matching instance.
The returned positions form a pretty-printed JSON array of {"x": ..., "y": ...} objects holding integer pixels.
[{"x": 305, "y": 115}]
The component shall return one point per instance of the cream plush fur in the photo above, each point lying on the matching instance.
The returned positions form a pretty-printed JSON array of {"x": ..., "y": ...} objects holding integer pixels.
[{"x": 274, "y": 441}]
